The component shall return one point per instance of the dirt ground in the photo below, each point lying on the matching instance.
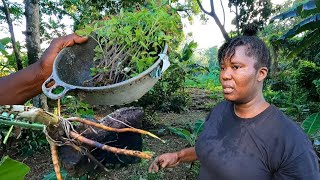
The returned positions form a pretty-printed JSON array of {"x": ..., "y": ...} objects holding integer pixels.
[{"x": 41, "y": 165}]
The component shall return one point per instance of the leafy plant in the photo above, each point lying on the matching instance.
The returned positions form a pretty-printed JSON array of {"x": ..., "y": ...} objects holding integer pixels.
[
  {"x": 169, "y": 94},
  {"x": 11, "y": 169},
  {"x": 129, "y": 42},
  {"x": 75, "y": 107},
  {"x": 310, "y": 12},
  {"x": 317, "y": 83},
  {"x": 311, "y": 125},
  {"x": 189, "y": 136}
]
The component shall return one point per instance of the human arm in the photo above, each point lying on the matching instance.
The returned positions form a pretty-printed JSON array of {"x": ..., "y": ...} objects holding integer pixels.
[
  {"x": 173, "y": 159},
  {"x": 19, "y": 87}
]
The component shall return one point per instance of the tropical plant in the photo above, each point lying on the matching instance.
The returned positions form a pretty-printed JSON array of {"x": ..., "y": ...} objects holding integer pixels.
[
  {"x": 11, "y": 169},
  {"x": 55, "y": 127},
  {"x": 189, "y": 136},
  {"x": 307, "y": 29},
  {"x": 311, "y": 125}
]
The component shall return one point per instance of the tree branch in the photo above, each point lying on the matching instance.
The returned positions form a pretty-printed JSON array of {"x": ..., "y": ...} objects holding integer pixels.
[
  {"x": 216, "y": 19},
  {"x": 224, "y": 14}
]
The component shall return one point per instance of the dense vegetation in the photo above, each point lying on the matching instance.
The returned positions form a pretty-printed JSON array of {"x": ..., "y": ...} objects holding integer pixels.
[{"x": 293, "y": 36}]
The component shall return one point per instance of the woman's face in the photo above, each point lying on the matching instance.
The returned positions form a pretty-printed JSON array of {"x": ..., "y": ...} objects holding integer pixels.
[{"x": 240, "y": 80}]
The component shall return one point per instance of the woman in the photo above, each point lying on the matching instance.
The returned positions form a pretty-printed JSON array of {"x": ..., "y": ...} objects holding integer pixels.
[{"x": 244, "y": 136}]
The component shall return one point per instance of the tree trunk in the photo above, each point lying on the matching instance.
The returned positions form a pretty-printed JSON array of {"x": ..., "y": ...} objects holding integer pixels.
[
  {"x": 13, "y": 39},
  {"x": 237, "y": 20},
  {"x": 32, "y": 30},
  {"x": 33, "y": 43}
]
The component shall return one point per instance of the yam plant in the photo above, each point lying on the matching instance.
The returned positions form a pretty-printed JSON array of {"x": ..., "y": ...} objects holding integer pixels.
[{"x": 60, "y": 131}]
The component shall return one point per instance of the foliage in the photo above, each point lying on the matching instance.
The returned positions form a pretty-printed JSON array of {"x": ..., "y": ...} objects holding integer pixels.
[
  {"x": 251, "y": 11},
  {"x": 311, "y": 125},
  {"x": 317, "y": 83},
  {"x": 16, "y": 12},
  {"x": 11, "y": 169},
  {"x": 135, "y": 37},
  {"x": 33, "y": 141},
  {"x": 308, "y": 27},
  {"x": 307, "y": 73},
  {"x": 85, "y": 12},
  {"x": 189, "y": 136},
  {"x": 75, "y": 107},
  {"x": 164, "y": 95}
]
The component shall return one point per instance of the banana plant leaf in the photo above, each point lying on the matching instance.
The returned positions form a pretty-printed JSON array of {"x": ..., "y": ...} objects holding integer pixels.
[
  {"x": 11, "y": 169},
  {"x": 310, "y": 23},
  {"x": 303, "y": 10},
  {"x": 311, "y": 124},
  {"x": 307, "y": 40},
  {"x": 183, "y": 133}
]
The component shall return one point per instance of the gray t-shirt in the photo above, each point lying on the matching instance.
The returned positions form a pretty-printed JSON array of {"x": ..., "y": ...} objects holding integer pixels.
[{"x": 268, "y": 146}]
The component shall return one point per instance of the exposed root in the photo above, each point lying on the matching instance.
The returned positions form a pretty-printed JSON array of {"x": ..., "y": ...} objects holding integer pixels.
[
  {"x": 109, "y": 148},
  {"x": 107, "y": 128},
  {"x": 55, "y": 161}
]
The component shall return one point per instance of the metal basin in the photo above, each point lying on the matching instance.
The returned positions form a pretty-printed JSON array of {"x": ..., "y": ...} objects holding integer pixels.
[{"x": 72, "y": 67}]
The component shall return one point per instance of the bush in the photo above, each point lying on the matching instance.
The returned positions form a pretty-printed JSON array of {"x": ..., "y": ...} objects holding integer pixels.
[{"x": 307, "y": 73}]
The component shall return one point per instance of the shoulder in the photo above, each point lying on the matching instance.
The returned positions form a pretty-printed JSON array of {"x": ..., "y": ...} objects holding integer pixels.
[
  {"x": 285, "y": 125},
  {"x": 219, "y": 109}
]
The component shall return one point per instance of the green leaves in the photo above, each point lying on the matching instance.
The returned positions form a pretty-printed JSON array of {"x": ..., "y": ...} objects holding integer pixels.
[
  {"x": 11, "y": 169},
  {"x": 310, "y": 23},
  {"x": 191, "y": 137},
  {"x": 3, "y": 43},
  {"x": 183, "y": 133},
  {"x": 303, "y": 10},
  {"x": 142, "y": 33},
  {"x": 311, "y": 124},
  {"x": 310, "y": 11}
]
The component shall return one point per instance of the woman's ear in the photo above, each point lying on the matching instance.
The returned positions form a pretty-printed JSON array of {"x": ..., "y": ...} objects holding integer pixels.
[{"x": 262, "y": 73}]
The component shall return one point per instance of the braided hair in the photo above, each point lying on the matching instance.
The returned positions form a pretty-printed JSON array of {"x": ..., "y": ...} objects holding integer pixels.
[{"x": 255, "y": 48}]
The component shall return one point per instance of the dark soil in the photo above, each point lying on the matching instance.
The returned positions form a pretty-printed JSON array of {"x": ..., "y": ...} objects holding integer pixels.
[{"x": 40, "y": 162}]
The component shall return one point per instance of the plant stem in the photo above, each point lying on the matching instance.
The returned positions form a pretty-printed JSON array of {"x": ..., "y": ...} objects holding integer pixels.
[{"x": 22, "y": 124}]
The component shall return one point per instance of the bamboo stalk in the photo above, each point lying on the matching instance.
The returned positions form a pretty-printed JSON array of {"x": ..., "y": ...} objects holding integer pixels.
[
  {"x": 109, "y": 148},
  {"x": 22, "y": 124},
  {"x": 55, "y": 161},
  {"x": 107, "y": 128}
]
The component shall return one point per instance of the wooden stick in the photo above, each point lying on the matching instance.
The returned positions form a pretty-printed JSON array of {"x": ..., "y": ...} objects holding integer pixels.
[
  {"x": 109, "y": 148},
  {"x": 107, "y": 128},
  {"x": 55, "y": 160}
]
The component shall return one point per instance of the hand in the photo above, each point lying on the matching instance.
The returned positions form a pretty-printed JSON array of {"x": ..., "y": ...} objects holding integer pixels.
[
  {"x": 164, "y": 161},
  {"x": 56, "y": 45}
]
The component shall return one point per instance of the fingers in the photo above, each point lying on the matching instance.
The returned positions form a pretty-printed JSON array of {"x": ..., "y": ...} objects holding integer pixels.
[
  {"x": 69, "y": 40},
  {"x": 56, "y": 45},
  {"x": 154, "y": 167}
]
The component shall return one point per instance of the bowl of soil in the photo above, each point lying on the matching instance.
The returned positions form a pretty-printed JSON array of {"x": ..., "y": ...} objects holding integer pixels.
[{"x": 72, "y": 73}]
